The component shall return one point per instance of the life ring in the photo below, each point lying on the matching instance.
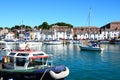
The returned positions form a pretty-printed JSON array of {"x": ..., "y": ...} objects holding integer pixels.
[{"x": 60, "y": 75}]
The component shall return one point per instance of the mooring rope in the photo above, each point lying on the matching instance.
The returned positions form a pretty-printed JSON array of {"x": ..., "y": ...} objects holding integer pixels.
[{"x": 43, "y": 74}]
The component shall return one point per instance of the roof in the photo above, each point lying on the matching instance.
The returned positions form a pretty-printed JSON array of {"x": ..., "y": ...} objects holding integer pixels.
[
  {"x": 26, "y": 51},
  {"x": 117, "y": 22},
  {"x": 33, "y": 54},
  {"x": 11, "y": 33}
]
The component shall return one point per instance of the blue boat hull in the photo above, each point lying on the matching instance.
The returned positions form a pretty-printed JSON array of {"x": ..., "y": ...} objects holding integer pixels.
[
  {"x": 38, "y": 74},
  {"x": 26, "y": 76}
]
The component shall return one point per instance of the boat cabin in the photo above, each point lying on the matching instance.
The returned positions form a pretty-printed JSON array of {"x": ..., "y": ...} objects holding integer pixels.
[
  {"x": 3, "y": 45},
  {"x": 20, "y": 60}
]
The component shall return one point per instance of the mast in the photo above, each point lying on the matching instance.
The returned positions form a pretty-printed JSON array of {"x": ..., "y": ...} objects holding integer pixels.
[
  {"x": 89, "y": 15},
  {"x": 21, "y": 30},
  {"x": 21, "y": 26},
  {"x": 89, "y": 18}
]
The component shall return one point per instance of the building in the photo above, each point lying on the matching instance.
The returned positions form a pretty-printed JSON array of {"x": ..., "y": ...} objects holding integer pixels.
[
  {"x": 85, "y": 32},
  {"x": 110, "y": 30},
  {"x": 3, "y": 32},
  {"x": 61, "y": 32},
  {"x": 10, "y": 36}
]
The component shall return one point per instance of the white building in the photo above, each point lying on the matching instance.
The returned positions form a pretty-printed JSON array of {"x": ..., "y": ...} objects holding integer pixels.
[{"x": 10, "y": 36}]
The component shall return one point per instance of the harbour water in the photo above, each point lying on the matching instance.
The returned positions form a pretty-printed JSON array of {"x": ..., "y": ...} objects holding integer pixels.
[{"x": 87, "y": 65}]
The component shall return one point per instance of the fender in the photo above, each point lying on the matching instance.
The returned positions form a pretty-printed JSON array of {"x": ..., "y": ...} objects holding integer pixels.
[{"x": 60, "y": 75}]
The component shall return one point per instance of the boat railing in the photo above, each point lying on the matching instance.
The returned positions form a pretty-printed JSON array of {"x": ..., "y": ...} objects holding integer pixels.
[{"x": 50, "y": 60}]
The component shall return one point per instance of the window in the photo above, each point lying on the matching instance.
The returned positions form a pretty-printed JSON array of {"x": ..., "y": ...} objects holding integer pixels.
[
  {"x": 37, "y": 62},
  {"x": 12, "y": 54},
  {"x": 22, "y": 54},
  {"x": 10, "y": 60},
  {"x": 38, "y": 54},
  {"x": 20, "y": 61}
]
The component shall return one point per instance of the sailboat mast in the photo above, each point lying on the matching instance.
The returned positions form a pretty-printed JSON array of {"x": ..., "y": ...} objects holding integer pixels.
[
  {"x": 21, "y": 30},
  {"x": 21, "y": 26},
  {"x": 89, "y": 17},
  {"x": 89, "y": 22}
]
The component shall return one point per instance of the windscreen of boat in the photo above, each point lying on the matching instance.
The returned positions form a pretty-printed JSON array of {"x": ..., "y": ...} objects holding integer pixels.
[
  {"x": 12, "y": 54},
  {"x": 22, "y": 54},
  {"x": 37, "y": 61},
  {"x": 10, "y": 60},
  {"x": 38, "y": 54},
  {"x": 20, "y": 61}
]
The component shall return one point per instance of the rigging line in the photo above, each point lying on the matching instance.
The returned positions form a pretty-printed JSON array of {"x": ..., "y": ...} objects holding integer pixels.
[
  {"x": 88, "y": 21},
  {"x": 88, "y": 18}
]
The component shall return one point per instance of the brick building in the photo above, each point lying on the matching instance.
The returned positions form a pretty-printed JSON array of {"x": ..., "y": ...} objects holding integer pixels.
[
  {"x": 111, "y": 26},
  {"x": 111, "y": 30},
  {"x": 85, "y": 32}
]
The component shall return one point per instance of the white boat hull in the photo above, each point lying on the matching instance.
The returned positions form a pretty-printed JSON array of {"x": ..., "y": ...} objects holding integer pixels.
[{"x": 52, "y": 43}]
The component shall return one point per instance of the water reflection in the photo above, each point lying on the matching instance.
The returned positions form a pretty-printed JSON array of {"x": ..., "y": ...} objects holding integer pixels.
[{"x": 112, "y": 53}]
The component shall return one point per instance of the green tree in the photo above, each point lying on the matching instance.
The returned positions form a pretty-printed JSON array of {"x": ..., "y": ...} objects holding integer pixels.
[
  {"x": 1, "y": 28},
  {"x": 28, "y": 27},
  {"x": 44, "y": 25},
  {"x": 36, "y": 27},
  {"x": 7, "y": 28},
  {"x": 63, "y": 24}
]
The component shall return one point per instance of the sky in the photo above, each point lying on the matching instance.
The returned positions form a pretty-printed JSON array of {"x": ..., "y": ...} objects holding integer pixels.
[{"x": 76, "y": 12}]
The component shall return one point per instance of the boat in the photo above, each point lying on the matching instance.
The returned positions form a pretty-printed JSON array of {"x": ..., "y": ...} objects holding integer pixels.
[
  {"x": 69, "y": 41},
  {"x": 104, "y": 41},
  {"x": 21, "y": 45},
  {"x": 53, "y": 42},
  {"x": 31, "y": 44},
  {"x": 4, "y": 46},
  {"x": 76, "y": 42},
  {"x": 4, "y": 49},
  {"x": 115, "y": 41},
  {"x": 34, "y": 45},
  {"x": 91, "y": 47},
  {"x": 31, "y": 65}
]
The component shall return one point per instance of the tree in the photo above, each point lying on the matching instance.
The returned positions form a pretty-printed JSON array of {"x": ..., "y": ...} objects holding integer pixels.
[
  {"x": 7, "y": 28},
  {"x": 1, "y": 28},
  {"x": 63, "y": 24},
  {"x": 45, "y": 25},
  {"x": 36, "y": 27},
  {"x": 28, "y": 28}
]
